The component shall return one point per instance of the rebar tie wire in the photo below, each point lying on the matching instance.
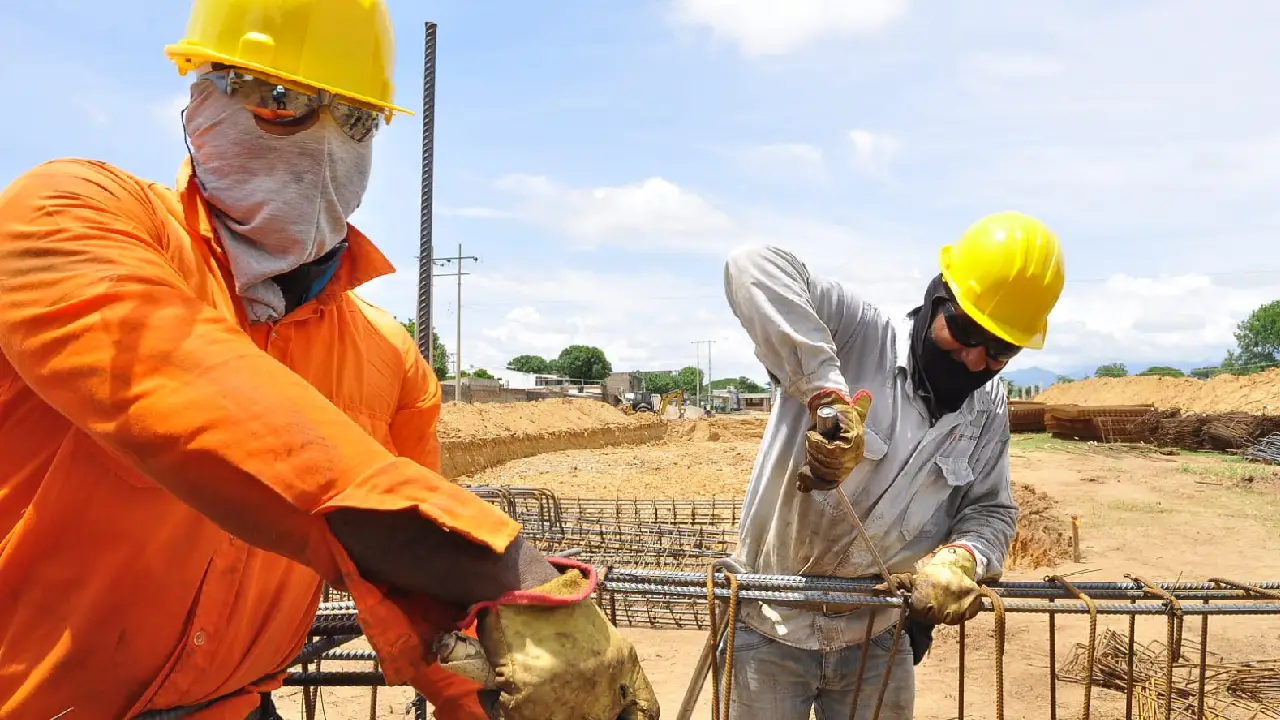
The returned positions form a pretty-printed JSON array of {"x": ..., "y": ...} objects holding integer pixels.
[
  {"x": 1174, "y": 640},
  {"x": 1090, "y": 656}
]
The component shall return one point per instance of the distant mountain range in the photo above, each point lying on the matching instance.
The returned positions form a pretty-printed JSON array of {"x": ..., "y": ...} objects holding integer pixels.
[{"x": 1044, "y": 378}]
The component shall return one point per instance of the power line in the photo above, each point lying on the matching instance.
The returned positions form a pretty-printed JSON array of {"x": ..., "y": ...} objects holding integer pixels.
[{"x": 457, "y": 353}]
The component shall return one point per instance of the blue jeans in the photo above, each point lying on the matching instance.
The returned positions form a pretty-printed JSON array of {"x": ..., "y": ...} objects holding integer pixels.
[{"x": 775, "y": 681}]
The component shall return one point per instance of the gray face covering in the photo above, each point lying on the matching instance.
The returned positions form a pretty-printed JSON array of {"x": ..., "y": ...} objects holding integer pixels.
[{"x": 278, "y": 202}]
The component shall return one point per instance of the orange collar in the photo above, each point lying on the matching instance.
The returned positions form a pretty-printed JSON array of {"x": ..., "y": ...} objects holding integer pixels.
[{"x": 361, "y": 262}]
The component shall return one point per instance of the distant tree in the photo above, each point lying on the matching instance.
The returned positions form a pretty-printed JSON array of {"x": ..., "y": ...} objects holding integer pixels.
[
  {"x": 482, "y": 374},
  {"x": 530, "y": 364},
  {"x": 660, "y": 382},
  {"x": 1257, "y": 341},
  {"x": 742, "y": 384},
  {"x": 1204, "y": 373},
  {"x": 583, "y": 362},
  {"x": 1163, "y": 371},
  {"x": 1063, "y": 379},
  {"x": 440, "y": 354},
  {"x": 690, "y": 379},
  {"x": 1111, "y": 370}
]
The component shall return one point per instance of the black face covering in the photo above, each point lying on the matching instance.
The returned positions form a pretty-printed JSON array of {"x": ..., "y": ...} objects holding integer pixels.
[{"x": 943, "y": 382}]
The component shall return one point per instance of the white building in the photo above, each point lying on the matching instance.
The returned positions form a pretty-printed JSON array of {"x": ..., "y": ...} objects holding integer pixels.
[{"x": 528, "y": 381}]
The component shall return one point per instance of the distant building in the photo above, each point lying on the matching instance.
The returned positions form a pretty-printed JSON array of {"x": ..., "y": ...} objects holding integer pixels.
[{"x": 529, "y": 381}]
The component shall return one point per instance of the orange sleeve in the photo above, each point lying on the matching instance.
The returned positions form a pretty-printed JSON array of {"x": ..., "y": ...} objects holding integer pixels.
[
  {"x": 99, "y": 324},
  {"x": 413, "y": 429}
]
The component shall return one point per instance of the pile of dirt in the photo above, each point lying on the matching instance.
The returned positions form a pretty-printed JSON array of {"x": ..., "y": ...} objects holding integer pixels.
[
  {"x": 1257, "y": 394},
  {"x": 1042, "y": 537},
  {"x": 718, "y": 429},
  {"x": 480, "y": 436}
]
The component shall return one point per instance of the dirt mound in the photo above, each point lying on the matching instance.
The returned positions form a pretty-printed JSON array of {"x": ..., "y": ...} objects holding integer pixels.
[
  {"x": 476, "y": 437},
  {"x": 1258, "y": 394},
  {"x": 1042, "y": 537},
  {"x": 723, "y": 428}
]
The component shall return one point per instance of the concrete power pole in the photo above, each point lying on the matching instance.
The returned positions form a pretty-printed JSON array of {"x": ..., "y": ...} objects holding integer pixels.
[
  {"x": 457, "y": 373},
  {"x": 710, "y": 397}
]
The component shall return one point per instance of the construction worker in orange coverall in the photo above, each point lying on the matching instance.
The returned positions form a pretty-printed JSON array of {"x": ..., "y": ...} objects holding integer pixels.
[{"x": 201, "y": 422}]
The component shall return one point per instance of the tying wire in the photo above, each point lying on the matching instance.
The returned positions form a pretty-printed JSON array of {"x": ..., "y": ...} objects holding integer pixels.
[
  {"x": 997, "y": 606},
  {"x": 1128, "y": 683},
  {"x": 862, "y": 660},
  {"x": 1204, "y": 665},
  {"x": 888, "y": 665},
  {"x": 1174, "y": 638},
  {"x": 731, "y": 617},
  {"x": 1093, "y": 640},
  {"x": 1053, "y": 665}
]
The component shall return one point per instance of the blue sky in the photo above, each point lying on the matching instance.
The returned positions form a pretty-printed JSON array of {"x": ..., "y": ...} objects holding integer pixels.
[{"x": 601, "y": 158}]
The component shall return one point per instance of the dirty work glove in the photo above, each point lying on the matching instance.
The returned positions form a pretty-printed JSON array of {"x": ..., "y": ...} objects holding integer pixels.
[
  {"x": 551, "y": 654},
  {"x": 944, "y": 592},
  {"x": 831, "y": 457}
]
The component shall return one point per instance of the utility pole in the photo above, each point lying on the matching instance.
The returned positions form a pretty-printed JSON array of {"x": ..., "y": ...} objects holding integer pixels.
[
  {"x": 457, "y": 354},
  {"x": 699, "y": 362}
]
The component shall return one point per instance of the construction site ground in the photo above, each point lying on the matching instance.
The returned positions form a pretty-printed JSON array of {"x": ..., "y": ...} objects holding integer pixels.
[{"x": 1182, "y": 515}]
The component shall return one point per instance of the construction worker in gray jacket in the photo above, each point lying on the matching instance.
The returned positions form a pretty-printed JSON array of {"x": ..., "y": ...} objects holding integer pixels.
[{"x": 920, "y": 456}]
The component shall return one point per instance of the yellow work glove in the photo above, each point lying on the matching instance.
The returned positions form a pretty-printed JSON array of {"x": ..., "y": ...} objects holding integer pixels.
[
  {"x": 831, "y": 455},
  {"x": 553, "y": 655},
  {"x": 945, "y": 592}
]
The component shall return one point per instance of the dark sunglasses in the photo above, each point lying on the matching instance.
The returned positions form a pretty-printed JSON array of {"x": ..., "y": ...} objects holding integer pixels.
[
  {"x": 282, "y": 105},
  {"x": 966, "y": 331}
]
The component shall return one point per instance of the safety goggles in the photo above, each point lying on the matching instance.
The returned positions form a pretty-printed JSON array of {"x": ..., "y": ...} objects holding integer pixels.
[
  {"x": 966, "y": 331},
  {"x": 279, "y": 104}
]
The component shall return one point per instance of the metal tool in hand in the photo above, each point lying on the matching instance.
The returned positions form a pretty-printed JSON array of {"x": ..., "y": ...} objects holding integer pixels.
[{"x": 828, "y": 422}]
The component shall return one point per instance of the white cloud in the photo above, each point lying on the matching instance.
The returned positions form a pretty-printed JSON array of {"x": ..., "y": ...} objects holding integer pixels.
[
  {"x": 472, "y": 213},
  {"x": 1183, "y": 318},
  {"x": 873, "y": 152},
  {"x": 651, "y": 213},
  {"x": 768, "y": 27},
  {"x": 783, "y": 161}
]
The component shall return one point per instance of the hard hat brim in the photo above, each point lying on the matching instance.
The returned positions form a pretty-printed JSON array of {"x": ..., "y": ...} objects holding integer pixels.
[{"x": 188, "y": 57}]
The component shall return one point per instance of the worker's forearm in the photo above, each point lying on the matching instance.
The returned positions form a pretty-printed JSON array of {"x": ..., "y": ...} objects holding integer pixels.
[{"x": 406, "y": 551}]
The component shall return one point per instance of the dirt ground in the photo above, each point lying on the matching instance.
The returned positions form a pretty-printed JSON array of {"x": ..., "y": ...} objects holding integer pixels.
[
  {"x": 1258, "y": 394},
  {"x": 1182, "y": 516}
]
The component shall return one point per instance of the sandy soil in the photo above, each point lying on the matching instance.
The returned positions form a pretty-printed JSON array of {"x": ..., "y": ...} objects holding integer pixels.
[
  {"x": 1186, "y": 516},
  {"x": 1259, "y": 394}
]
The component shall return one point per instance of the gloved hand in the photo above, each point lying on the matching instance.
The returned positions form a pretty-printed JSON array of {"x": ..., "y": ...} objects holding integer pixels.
[
  {"x": 830, "y": 459},
  {"x": 944, "y": 592},
  {"x": 552, "y": 655}
]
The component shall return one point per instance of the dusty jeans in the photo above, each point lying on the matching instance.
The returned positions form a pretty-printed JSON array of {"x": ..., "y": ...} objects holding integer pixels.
[{"x": 775, "y": 681}]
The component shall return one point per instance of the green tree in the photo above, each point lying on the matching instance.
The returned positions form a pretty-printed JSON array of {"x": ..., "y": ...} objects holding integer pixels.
[
  {"x": 482, "y": 374},
  {"x": 1257, "y": 341},
  {"x": 583, "y": 362},
  {"x": 1162, "y": 371},
  {"x": 690, "y": 379},
  {"x": 660, "y": 382},
  {"x": 1063, "y": 379},
  {"x": 530, "y": 364},
  {"x": 440, "y": 354},
  {"x": 1204, "y": 373},
  {"x": 742, "y": 384},
  {"x": 1111, "y": 370}
]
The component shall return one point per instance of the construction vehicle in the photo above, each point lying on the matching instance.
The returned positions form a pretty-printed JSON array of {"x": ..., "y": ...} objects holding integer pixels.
[{"x": 643, "y": 401}]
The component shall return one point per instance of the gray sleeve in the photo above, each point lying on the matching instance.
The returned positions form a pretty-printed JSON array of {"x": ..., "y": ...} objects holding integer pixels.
[
  {"x": 795, "y": 321},
  {"x": 987, "y": 515}
]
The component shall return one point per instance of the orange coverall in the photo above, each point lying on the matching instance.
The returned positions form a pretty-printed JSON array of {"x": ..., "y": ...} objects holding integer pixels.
[{"x": 149, "y": 434}]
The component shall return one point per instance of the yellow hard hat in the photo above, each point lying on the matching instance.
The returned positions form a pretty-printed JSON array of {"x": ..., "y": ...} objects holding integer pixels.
[
  {"x": 343, "y": 46},
  {"x": 1006, "y": 272}
]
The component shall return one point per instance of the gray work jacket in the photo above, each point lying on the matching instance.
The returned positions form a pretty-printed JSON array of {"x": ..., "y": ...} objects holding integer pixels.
[{"x": 919, "y": 486}]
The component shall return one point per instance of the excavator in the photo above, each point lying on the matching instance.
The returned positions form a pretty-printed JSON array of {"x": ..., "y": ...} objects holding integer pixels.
[{"x": 643, "y": 401}]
